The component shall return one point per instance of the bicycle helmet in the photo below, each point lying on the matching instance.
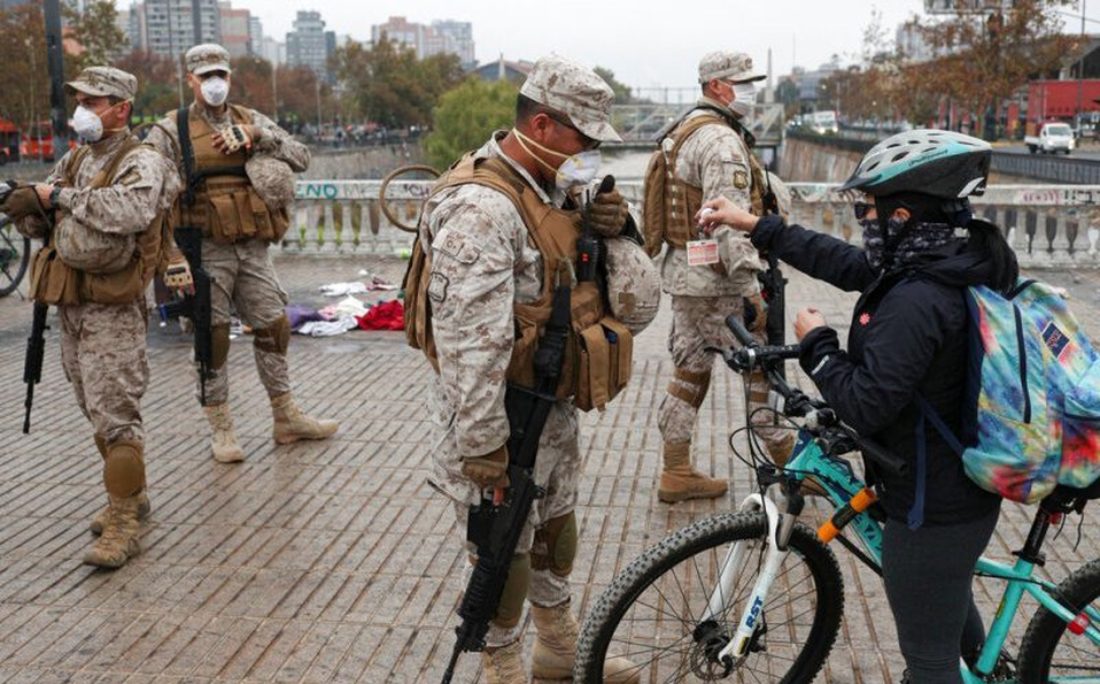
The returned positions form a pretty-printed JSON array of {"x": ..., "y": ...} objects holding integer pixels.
[{"x": 942, "y": 164}]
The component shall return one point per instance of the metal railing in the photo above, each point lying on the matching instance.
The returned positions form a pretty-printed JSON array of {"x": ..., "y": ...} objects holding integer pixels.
[{"x": 1049, "y": 226}]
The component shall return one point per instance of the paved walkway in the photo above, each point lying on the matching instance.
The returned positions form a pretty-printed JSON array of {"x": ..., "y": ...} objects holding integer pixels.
[{"x": 334, "y": 561}]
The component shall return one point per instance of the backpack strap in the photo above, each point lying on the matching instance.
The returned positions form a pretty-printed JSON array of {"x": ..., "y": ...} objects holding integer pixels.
[{"x": 926, "y": 413}]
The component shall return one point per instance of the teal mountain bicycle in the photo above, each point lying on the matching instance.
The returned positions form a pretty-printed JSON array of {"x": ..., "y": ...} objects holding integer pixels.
[{"x": 757, "y": 595}]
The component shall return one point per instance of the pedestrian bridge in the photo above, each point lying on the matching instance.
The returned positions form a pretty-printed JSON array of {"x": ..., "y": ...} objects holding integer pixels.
[{"x": 1049, "y": 226}]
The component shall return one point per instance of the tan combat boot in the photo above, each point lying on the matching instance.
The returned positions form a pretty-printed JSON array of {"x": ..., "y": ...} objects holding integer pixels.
[
  {"x": 556, "y": 648},
  {"x": 100, "y": 520},
  {"x": 291, "y": 424},
  {"x": 119, "y": 541},
  {"x": 223, "y": 441},
  {"x": 680, "y": 482},
  {"x": 504, "y": 664}
]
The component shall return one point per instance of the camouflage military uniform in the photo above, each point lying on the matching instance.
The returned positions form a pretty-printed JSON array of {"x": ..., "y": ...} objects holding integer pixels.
[
  {"x": 103, "y": 344},
  {"x": 482, "y": 262},
  {"x": 242, "y": 271},
  {"x": 240, "y": 264},
  {"x": 716, "y": 159}
]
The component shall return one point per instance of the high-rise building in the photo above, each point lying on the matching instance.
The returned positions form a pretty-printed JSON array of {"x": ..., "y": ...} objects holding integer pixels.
[
  {"x": 234, "y": 25},
  {"x": 171, "y": 27},
  {"x": 273, "y": 51},
  {"x": 442, "y": 37},
  {"x": 307, "y": 44},
  {"x": 255, "y": 36}
]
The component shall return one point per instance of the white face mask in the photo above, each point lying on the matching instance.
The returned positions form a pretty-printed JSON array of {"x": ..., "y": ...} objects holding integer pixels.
[
  {"x": 87, "y": 124},
  {"x": 574, "y": 171},
  {"x": 215, "y": 90},
  {"x": 744, "y": 97}
]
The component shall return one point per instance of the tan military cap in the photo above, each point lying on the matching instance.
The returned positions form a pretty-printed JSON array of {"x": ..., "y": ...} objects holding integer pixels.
[
  {"x": 730, "y": 66},
  {"x": 576, "y": 91},
  {"x": 104, "y": 81},
  {"x": 207, "y": 57}
]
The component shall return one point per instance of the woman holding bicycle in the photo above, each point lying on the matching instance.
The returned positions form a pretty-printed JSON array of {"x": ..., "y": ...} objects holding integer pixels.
[{"x": 908, "y": 341}]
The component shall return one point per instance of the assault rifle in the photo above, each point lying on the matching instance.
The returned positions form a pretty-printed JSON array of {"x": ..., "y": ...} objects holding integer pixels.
[
  {"x": 32, "y": 362},
  {"x": 196, "y": 306},
  {"x": 494, "y": 528}
]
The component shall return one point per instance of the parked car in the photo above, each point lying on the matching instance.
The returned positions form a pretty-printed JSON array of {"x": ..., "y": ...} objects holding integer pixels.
[{"x": 1052, "y": 138}]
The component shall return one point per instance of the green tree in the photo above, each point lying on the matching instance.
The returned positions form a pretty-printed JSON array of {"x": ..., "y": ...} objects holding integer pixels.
[
  {"x": 466, "y": 116},
  {"x": 24, "y": 80},
  {"x": 623, "y": 94},
  {"x": 96, "y": 34},
  {"x": 387, "y": 84}
]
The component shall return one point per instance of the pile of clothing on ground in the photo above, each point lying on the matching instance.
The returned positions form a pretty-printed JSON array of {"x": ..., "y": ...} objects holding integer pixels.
[{"x": 350, "y": 313}]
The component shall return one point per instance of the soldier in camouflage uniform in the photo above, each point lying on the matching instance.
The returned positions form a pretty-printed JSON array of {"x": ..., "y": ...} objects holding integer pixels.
[
  {"x": 108, "y": 191},
  {"x": 483, "y": 265},
  {"x": 240, "y": 211},
  {"x": 714, "y": 157}
]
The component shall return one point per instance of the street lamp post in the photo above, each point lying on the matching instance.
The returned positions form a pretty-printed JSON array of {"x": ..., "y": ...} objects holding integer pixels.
[{"x": 1081, "y": 70}]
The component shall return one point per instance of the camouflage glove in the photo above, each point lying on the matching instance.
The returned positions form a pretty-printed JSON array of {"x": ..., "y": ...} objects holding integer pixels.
[
  {"x": 178, "y": 276},
  {"x": 23, "y": 202},
  {"x": 608, "y": 213},
  {"x": 755, "y": 313},
  {"x": 489, "y": 470}
]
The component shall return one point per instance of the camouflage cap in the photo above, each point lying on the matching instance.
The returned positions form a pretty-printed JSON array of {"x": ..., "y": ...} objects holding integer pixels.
[
  {"x": 576, "y": 91},
  {"x": 731, "y": 66},
  {"x": 207, "y": 57},
  {"x": 104, "y": 81}
]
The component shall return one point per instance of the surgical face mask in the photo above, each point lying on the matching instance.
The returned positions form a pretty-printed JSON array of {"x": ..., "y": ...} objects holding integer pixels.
[
  {"x": 87, "y": 124},
  {"x": 215, "y": 90},
  {"x": 744, "y": 96},
  {"x": 575, "y": 170}
]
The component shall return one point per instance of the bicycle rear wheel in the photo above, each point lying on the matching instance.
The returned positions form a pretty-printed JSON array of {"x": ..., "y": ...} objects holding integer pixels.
[
  {"x": 15, "y": 254},
  {"x": 1049, "y": 650},
  {"x": 652, "y": 613}
]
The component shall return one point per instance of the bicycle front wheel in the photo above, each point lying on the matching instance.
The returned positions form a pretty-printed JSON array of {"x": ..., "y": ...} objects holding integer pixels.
[
  {"x": 654, "y": 614},
  {"x": 1050, "y": 651}
]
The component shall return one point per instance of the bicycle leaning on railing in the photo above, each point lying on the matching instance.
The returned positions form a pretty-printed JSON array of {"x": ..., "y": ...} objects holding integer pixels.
[{"x": 758, "y": 596}]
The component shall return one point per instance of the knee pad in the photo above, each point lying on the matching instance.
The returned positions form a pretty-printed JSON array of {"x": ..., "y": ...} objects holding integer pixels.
[
  {"x": 219, "y": 343},
  {"x": 556, "y": 545},
  {"x": 275, "y": 338},
  {"x": 510, "y": 608},
  {"x": 690, "y": 387},
  {"x": 124, "y": 469}
]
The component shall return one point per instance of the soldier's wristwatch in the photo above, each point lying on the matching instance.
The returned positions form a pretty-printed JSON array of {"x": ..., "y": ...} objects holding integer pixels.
[{"x": 54, "y": 194}]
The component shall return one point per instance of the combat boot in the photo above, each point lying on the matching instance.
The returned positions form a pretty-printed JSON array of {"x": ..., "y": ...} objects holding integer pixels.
[
  {"x": 504, "y": 664},
  {"x": 119, "y": 541},
  {"x": 556, "y": 648},
  {"x": 100, "y": 520},
  {"x": 223, "y": 441},
  {"x": 291, "y": 424},
  {"x": 680, "y": 482}
]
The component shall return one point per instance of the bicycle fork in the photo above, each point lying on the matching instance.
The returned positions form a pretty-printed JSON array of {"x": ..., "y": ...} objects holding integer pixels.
[{"x": 779, "y": 529}]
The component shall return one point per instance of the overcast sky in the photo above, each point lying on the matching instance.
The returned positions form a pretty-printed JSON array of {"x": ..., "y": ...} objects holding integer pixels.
[{"x": 644, "y": 43}]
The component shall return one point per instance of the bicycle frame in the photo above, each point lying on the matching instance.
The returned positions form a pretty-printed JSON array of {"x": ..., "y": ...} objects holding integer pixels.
[{"x": 841, "y": 483}]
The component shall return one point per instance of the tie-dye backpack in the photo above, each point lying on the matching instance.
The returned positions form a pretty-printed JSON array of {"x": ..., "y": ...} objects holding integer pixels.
[{"x": 1034, "y": 385}]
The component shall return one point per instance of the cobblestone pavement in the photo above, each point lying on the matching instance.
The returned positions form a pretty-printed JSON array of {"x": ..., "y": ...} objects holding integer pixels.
[{"x": 334, "y": 561}]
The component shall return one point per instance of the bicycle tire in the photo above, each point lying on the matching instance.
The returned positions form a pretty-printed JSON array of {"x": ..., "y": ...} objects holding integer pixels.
[
  {"x": 13, "y": 271},
  {"x": 626, "y": 588},
  {"x": 1045, "y": 631}
]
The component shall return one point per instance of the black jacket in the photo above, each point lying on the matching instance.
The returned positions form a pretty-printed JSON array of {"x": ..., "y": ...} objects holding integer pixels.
[{"x": 908, "y": 336}]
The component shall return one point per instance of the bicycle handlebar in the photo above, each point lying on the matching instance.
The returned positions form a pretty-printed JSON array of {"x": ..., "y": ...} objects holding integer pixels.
[{"x": 797, "y": 403}]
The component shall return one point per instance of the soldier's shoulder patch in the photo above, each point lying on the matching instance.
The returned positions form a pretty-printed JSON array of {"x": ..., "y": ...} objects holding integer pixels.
[
  {"x": 457, "y": 246},
  {"x": 437, "y": 288},
  {"x": 740, "y": 179}
]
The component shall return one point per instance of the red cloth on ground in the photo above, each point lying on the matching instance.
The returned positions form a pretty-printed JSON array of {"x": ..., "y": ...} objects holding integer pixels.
[{"x": 383, "y": 316}]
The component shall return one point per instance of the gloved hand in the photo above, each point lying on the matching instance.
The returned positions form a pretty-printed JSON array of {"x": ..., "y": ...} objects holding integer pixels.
[
  {"x": 759, "y": 310},
  {"x": 608, "y": 213},
  {"x": 22, "y": 202},
  {"x": 489, "y": 470},
  {"x": 178, "y": 276},
  {"x": 233, "y": 138}
]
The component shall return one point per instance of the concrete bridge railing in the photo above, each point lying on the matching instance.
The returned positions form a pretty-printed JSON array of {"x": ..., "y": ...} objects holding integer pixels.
[{"x": 1049, "y": 226}]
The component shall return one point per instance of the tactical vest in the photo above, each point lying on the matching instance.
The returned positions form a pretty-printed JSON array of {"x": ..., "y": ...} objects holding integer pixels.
[
  {"x": 55, "y": 282},
  {"x": 670, "y": 203},
  {"x": 219, "y": 198},
  {"x": 599, "y": 351}
]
